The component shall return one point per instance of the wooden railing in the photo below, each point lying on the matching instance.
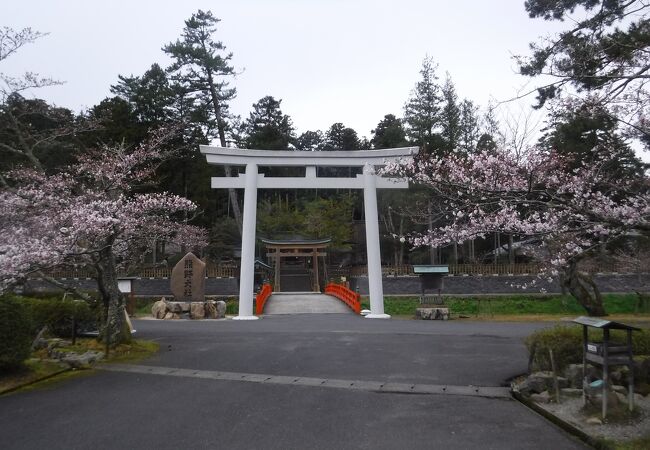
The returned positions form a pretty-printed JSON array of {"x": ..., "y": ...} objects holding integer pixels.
[
  {"x": 347, "y": 296},
  {"x": 261, "y": 298}
]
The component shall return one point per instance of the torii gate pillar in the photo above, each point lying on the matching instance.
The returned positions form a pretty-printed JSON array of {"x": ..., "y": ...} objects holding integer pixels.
[
  {"x": 251, "y": 181},
  {"x": 246, "y": 277},
  {"x": 375, "y": 286}
]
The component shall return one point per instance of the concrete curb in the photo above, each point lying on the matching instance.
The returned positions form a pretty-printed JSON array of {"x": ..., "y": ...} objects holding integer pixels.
[{"x": 566, "y": 426}]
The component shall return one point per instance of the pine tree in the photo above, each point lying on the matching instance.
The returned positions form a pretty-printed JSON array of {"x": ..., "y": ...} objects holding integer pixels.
[
  {"x": 450, "y": 116},
  {"x": 267, "y": 127},
  {"x": 340, "y": 137},
  {"x": 469, "y": 126},
  {"x": 310, "y": 140},
  {"x": 389, "y": 133},
  {"x": 200, "y": 65},
  {"x": 422, "y": 110}
]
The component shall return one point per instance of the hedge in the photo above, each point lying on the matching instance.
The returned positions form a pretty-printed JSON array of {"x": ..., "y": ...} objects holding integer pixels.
[
  {"x": 15, "y": 333},
  {"x": 566, "y": 343},
  {"x": 57, "y": 314}
]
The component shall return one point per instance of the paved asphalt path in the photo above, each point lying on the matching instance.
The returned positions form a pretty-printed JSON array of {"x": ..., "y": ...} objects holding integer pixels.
[{"x": 151, "y": 411}]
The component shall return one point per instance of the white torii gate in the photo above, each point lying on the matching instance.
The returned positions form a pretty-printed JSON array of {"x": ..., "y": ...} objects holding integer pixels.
[{"x": 251, "y": 181}]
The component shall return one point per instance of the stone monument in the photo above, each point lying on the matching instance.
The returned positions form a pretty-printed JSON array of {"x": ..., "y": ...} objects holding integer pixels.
[{"x": 188, "y": 279}]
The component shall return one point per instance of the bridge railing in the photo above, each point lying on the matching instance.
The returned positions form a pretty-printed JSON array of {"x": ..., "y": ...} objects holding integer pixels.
[
  {"x": 347, "y": 296},
  {"x": 261, "y": 298}
]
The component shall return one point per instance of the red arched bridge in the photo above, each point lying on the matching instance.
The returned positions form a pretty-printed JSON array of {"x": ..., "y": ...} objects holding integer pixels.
[{"x": 336, "y": 299}]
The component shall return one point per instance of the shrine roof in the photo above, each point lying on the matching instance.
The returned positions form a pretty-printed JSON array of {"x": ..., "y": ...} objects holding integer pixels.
[{"x": 296, "y": 241}]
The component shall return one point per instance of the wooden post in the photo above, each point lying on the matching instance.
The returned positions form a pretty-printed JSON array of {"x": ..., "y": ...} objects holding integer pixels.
[
  {"x": 276, "y": 284},
  {"x": 585, "y": 337},
  {"x": 314, "y": 258},
  {"x": 605, "y": 369},
  {"x": 556, "y": 384},
  {"x": 630, "y": 378}
]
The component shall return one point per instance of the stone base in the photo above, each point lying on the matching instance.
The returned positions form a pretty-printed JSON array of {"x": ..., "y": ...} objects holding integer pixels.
[
  {"x": 377, "y": 316},
  {"x": 245, "y": 318},
  {"x": 436, "y": 313}
]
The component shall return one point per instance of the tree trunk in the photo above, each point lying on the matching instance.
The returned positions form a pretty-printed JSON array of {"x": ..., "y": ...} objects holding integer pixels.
[
  {"x": 221, "y": 128},
  {"x": 511, "y": 250},
  {"x": 583, "y": 288},
  {"x": 113, "y": 302},
  {"x": 401, "y": 244},
  {"x": 432, "y": 249}
]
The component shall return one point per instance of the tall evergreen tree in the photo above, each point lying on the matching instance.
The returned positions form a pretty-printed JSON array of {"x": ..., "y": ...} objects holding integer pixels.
[
  {"x": 267, "y": 127},
  {"x": 605, "y": 53},
  {"x": 389, "y": 133},
  {"x": 310, "y": 140},
  {"x": 201, "y": 65},
  {"x": 469, "y": 126},
  {"x": 340, "y": 137},
  {"x": 422, "y": 110},
  {"x": 584, "y": 135},
  {"x": 151, "y": 94},
  {"x": 450, "y": 116}
]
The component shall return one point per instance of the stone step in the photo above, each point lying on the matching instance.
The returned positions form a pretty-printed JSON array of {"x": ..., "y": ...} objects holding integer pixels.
[{"x": 304, "y": 303}]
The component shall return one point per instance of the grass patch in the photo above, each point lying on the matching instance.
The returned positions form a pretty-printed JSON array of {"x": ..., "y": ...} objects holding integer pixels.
[
  {"x": 634, "y": 444},
  {"x": 135, "y": 350},
  {"x": 39, "y": 368},
  {"x": 506, "y": 305},
  {"x": 33, "y": 370}
]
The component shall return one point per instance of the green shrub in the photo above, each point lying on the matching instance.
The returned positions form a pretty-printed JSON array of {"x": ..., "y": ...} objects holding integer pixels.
[
  {"x": 232, "y": 306},
  {"x": 57, "y": 314},
  {"x": 15, "y": 333},
  {"x": 566, "y": 343}
]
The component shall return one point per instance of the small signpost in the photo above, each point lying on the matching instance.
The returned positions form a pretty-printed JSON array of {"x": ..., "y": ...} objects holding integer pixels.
[
  {"x": 431, "y": 278},
  {"x": 606, "y": 353},
  {"x": 125, "y": 285}
]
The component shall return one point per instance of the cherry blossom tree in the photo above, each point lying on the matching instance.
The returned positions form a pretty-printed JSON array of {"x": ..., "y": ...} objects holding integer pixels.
[
  {"x": 98, "y": 213},
  {"x": 573, "y": 212}
]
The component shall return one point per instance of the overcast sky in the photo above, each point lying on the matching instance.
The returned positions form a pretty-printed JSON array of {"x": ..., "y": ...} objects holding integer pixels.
[{"x": 328, "y": 60}]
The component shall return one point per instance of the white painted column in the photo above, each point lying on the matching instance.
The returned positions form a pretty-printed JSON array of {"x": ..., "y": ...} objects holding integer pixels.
[
  {"x": 375, "y": 286},
  {"x": 247, "y": 271}
]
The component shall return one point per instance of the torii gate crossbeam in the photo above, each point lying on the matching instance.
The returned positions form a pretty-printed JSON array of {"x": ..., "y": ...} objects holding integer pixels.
[{"x": 251, "y": 181}]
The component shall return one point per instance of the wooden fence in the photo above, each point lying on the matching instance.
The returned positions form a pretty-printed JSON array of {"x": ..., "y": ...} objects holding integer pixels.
[
  {"x": 216, "y": 271},
  {"x": 211, "y": 271},
  {"x": 491, "y": 269}
]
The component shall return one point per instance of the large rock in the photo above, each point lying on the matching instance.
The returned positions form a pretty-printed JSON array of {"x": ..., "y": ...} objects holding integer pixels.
[
  {"x": 159, "y": 309},
  {"x": 642, "y": 369},
  {"x": 188, "y": 279},
  {"x": 197, "y": 310},
  {"x": 175, "y": 307},
  {"x": 221, "y": 309},
  {"x": 536, "y": 383},
  {"x": 77, "y": 361},
  {"x": 432, "y": 313},
  {"x": 211, "y": 309},
  {"x": 171, "y": 316},
  {"x": 573, "y": 373},
  {"x": 544, "y": 397}
]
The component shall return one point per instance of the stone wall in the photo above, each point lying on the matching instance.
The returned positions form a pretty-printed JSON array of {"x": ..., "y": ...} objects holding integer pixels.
[
  {"x": 155, "y": 287},
  {"x": 142, "y": 287},
  {"x": 502, "y": 284}
]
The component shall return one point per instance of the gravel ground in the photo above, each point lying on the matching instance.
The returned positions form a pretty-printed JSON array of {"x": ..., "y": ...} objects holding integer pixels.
[{"x": 570, "y": 410}]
